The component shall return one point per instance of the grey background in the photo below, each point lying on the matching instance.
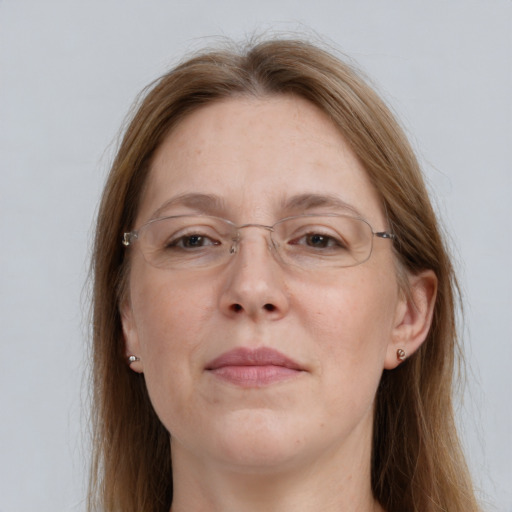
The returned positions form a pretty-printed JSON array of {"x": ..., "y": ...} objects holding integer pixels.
[{"x": 70, "y": 70}]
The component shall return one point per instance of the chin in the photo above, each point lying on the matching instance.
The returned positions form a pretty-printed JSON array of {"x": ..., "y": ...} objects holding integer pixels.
[{"x": 256, "y": 441}]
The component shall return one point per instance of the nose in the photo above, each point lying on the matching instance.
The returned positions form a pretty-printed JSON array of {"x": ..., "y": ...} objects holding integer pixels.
[{"x": 255, "y": 281}]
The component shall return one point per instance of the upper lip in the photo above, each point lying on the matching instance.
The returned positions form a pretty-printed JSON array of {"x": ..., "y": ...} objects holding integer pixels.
[{"x": 263, "y": 356}]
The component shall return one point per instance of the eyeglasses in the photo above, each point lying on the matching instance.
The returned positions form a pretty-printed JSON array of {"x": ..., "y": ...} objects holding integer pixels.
[{"x": 308, "y": 241}]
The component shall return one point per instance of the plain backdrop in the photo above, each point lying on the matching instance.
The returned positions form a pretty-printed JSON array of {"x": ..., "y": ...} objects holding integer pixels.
[{"x": 69, "y": 72}]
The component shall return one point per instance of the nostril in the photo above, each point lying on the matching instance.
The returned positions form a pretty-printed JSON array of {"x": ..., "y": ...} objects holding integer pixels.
[{"x": 237, "y": 308}]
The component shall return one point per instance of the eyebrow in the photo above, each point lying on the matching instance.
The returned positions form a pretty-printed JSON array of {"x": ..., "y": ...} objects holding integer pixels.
[
  {"x": 202, "y": 203},
  {"x": 305, "y": 202},
  {"x": 211, "y": 204}
]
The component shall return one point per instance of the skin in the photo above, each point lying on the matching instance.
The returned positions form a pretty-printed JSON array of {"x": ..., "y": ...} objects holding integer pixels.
[{"x": 303, "y": 443}]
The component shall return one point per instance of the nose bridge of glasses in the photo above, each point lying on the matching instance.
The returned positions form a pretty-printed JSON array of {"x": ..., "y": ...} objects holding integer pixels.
[{"x": 237, "y": 237}]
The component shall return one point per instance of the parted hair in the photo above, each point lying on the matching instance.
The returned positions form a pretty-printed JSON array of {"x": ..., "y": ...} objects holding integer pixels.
[{"x": 417, "y": 462}]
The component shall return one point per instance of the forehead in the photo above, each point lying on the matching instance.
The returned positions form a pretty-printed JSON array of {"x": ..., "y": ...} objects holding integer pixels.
[{"x": 255, "y": 155}]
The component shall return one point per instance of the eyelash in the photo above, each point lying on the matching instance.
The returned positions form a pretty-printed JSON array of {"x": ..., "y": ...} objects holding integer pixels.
[
  {"x": 328, "y": 239},
  {"x": 181, "y": 241}
]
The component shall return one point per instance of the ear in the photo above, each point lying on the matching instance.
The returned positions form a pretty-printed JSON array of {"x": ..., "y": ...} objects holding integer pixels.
[
  {"x": 131, "y": 337},
  {"x": 413, "y": 317}
]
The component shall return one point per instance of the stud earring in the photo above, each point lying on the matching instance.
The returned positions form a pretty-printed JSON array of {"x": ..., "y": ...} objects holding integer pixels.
[
  {"x": 132, "y": 359},
  {"x": 401, "y": 355}
]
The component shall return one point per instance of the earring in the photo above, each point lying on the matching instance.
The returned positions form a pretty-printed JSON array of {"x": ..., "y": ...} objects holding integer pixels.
[
  {"x": 132, "y": 359},
  {"x": 401, "y": 355}
]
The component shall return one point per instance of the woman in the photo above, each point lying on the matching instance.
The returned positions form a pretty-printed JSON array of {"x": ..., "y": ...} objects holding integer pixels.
[{"x": 274, "y": 323}]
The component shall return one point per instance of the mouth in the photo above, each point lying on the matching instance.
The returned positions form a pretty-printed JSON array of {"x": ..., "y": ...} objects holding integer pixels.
[{"x": 253, "y": 367}]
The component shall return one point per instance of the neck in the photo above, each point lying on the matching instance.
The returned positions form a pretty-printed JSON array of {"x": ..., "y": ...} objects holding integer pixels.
[{"x": 327, "y": 484}]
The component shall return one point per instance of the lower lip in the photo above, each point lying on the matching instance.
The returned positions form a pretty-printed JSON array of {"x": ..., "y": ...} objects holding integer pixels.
[{"x": 254, "y": 376}]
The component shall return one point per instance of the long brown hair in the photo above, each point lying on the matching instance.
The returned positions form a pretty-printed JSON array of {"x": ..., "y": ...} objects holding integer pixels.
[{"x": 417, "y": 464}]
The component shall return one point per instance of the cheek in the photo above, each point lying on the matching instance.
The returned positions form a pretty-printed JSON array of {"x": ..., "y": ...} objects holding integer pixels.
[
  {"x": 167, "y": 310},
  {"x": 171, "y": 317},
  {"x": 354, "y": 311},
  {"x": 351, "y": 322}
]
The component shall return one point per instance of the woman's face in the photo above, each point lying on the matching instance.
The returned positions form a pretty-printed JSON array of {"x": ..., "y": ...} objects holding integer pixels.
[{"x": 255, "y": 364}]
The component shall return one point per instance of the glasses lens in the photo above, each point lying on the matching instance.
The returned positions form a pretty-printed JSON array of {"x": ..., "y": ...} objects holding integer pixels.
[
  {"x": 186, "y": 241},
  {"x": 313, "y": 241}
]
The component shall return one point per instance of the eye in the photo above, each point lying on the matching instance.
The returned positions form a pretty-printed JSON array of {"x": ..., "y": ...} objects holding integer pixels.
[
  {"x": 192, "y": 241},
  {"x": 319, "y": 241}
]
